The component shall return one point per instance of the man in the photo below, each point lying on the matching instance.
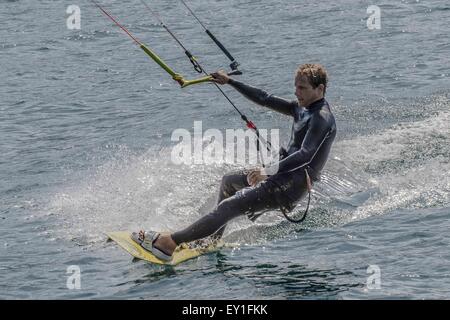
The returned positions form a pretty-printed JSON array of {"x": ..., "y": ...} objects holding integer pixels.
[{"x": 280, "y": 186}]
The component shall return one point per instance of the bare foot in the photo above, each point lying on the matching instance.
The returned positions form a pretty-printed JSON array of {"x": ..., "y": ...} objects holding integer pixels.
[{"x": 165, "y": 243}]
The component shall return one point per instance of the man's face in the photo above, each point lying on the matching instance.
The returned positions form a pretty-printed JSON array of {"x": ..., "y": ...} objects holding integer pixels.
[{"x": 305, "y": 92}]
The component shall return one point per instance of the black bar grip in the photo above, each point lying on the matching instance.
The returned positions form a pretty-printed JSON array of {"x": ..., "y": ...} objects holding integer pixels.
[
  {"x": 220, "y": 45},
  {"x": 235, "y": 73}
]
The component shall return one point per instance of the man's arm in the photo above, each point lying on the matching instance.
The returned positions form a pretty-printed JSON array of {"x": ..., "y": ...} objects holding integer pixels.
[
  {"x": 256, "y": 95},
  {"x": 262, "y": 98},
  {"x": 318, "y": 131}
]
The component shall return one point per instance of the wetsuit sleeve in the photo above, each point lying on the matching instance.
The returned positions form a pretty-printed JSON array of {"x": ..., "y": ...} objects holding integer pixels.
[
  {"x": 262, "y": 98},
  {"x": 318, "y": 131}
]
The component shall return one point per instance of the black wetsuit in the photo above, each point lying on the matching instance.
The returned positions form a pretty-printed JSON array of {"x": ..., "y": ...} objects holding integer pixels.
[{"x": 313, "y": 133}]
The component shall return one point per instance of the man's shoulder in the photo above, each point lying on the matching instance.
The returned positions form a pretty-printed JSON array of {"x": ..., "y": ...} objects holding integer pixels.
[
  {"x": 326, "y": 109},
  {"x": 323, "y": 117}
]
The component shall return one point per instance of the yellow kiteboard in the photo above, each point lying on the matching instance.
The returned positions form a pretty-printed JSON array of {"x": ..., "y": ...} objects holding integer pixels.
[{"x": 182, "y": 253}]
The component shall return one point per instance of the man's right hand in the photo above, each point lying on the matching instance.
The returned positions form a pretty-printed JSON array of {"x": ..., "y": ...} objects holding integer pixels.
[
  {"x": 255, "y": 176},
  {"x": 220, "y": 77}
]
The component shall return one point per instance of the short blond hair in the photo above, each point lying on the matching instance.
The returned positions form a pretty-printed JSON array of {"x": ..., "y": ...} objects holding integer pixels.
[{"x": 315, "y": 73}]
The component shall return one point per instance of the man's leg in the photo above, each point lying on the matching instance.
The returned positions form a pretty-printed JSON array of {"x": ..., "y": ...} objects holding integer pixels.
[
  {"x": 231, "y": 183},
  {"x": 269, "y": 195},
  {"x": 248, "y": 201}
]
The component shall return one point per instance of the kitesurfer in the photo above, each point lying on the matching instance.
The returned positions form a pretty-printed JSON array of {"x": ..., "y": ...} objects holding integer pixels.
[{"x": 281, "y": 185}]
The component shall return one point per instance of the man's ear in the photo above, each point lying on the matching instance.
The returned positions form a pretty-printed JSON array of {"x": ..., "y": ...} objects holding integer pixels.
[{"x": 322, "y": 88}]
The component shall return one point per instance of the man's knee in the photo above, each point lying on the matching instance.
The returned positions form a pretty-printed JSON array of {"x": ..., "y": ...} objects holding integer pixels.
[
  {"x": 231, "y": 182},
  {"x": 224, "y": 207},
  {"x": 225, "y": 191},
  {"x": 230, "y": 208},
  {"x": 228, "y": 179}
]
